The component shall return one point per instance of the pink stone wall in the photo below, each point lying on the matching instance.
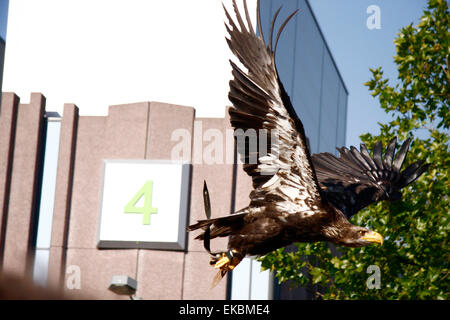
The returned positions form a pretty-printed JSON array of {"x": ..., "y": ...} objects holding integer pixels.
[
  {"x": 131, "y": 131},
  {"x": 20, "y": 173},
  {"x": 8, "y": 117}
]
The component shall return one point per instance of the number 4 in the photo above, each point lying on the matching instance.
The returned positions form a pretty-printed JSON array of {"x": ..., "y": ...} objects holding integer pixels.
[{"x": 147, "y": 209}]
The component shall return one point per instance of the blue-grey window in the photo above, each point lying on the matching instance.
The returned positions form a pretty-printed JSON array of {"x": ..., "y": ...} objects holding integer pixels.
[
  {"x": 46, "y": 204},
  {"x": 309, "y": 74}
]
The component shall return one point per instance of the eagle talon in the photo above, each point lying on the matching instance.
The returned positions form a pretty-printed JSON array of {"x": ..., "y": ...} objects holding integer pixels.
[
  {"x": 222, "y": 262},
  {"x": 225, "y": 261}
]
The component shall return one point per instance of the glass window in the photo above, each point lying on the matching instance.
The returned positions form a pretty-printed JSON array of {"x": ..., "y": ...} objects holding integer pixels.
[{"x": 44, "y": 228}]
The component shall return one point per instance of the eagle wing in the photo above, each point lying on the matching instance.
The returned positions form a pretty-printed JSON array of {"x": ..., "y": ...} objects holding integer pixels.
[
  {"x": 282, "y": 173},
  {"x": 355, "y": 179}
]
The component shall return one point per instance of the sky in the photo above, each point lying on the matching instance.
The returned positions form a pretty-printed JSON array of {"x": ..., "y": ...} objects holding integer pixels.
[
  {"x": 356, "y": 48},
  {"x": 109, "y": 52},
  {"x": 3, "y": 17}
]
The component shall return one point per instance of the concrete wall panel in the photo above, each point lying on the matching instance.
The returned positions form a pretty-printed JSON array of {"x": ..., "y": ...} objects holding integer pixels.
[
  {"x": 63, "y": 194},
  {"x": 24, "y": 188},
  {"x": 89, "y": 271},
  {"x": 8, "y": 117}
]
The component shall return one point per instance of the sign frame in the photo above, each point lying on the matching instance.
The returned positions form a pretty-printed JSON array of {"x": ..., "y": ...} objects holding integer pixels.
[{"x": 183, "y": 214}]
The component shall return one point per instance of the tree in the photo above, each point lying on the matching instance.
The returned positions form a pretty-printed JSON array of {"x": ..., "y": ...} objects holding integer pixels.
[{"x": 414, "y": 260}]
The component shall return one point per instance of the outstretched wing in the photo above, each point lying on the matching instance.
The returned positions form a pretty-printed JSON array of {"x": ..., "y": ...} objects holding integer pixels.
[
  {"x": 356, "y": 180},
  {"x": 282, "y": 173}
]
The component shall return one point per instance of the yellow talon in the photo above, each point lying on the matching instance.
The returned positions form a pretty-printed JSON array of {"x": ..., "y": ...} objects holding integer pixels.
[{"x": 224, "y": 261}]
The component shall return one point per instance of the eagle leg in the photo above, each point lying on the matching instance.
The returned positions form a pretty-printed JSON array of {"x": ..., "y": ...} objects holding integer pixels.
[{"x": 225, "y": 261}]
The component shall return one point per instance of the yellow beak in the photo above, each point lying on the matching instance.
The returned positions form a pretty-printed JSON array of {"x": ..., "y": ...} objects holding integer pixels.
[{"x": 373, "y": 236}]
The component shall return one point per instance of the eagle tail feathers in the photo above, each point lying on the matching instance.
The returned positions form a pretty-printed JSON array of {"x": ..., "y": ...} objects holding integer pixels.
[{"x": 220, "y": 227}]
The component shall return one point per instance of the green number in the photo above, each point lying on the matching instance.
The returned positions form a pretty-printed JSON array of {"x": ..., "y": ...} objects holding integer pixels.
[{"x": 147, "y": 209}]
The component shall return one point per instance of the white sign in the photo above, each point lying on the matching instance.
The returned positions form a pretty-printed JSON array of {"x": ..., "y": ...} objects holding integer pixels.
[{"x": 144, "y": 204}]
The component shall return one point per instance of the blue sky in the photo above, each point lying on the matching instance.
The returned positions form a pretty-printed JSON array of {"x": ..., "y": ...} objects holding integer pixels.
[
  {"x": 3, "y": 17},
  {"x": 356, "y": 49}
]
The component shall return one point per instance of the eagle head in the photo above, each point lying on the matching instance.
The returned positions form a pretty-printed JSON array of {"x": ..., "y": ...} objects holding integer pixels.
[{"x": 356, "y": 236}]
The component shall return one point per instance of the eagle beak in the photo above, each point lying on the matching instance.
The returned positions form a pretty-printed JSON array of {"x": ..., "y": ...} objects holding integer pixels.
[{"x": 373, "y": 236}]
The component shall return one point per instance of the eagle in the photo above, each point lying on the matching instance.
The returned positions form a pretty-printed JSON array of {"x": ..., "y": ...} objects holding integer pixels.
[{"x": 296, "y": 197}]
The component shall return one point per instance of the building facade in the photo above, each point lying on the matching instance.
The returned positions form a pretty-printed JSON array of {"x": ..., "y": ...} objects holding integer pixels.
[{"x": 53, "y": 179}]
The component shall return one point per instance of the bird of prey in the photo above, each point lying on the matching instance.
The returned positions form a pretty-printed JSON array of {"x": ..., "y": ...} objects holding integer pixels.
[{"x": 296, "y": 197}]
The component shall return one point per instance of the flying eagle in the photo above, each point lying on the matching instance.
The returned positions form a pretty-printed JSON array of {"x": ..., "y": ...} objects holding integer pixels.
[{"x": 305, "y": 198}]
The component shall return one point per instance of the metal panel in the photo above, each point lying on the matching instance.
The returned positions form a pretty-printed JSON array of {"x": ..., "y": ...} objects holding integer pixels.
[
  {"x": 44, "y": 230},
  {"x": 308, "y": 66},
  {"x": 46, "y": 203},
  {"x": 329, "y": 105},
  {"x": 285, "y": 60},
  {"x": 342, "y": 118}
]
